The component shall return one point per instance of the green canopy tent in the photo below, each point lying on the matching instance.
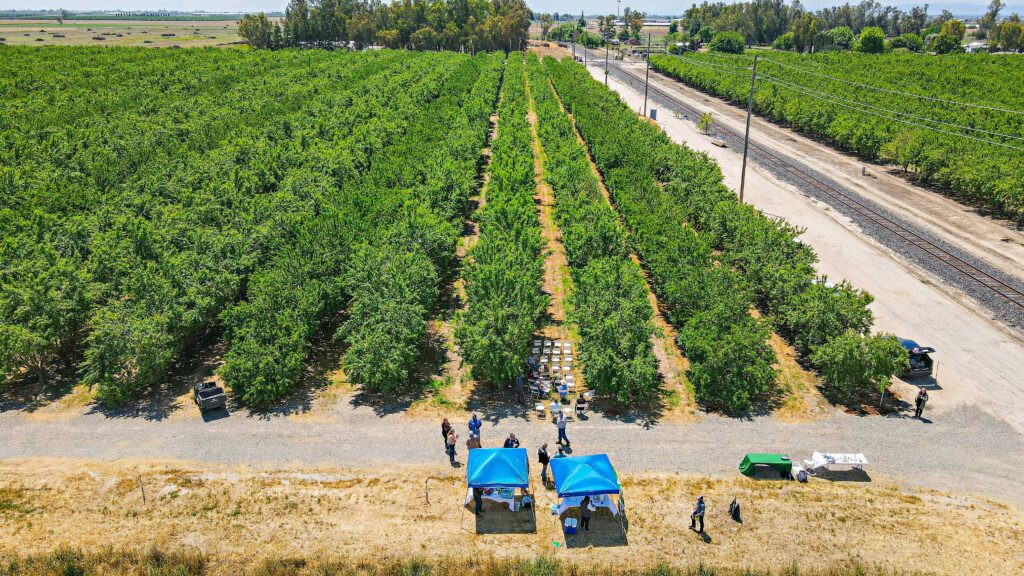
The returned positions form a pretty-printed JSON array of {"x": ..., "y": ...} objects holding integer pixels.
[{"x": 778, "y": 462}]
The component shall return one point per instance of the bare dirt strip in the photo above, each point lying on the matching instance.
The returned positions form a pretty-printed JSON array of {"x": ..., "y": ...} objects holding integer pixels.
[
  {"x": 557, "y": 278},
  {"x": 454, "y": 383}
]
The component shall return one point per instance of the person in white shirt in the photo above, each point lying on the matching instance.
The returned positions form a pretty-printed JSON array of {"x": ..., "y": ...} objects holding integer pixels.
[{"x": 561, "y": 423}]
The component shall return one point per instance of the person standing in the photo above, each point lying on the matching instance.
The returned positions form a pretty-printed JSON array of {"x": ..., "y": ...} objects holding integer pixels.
[
  {"x": 478, "y": 501},
  {"x": 511, "y": 441},
  {"x": 544, "y": 459},
  {"x": 520, "y": 391},
  {"x": 698, "y": 514},
  {"x": 445, "y": 429},
  {"x": 450, "y": 445},
  {"x": 920, "y": 401},
  {"x": 474, "y": 426},
  {"x": 561, "y": 423},
  {"x": 586, "y": 509}
]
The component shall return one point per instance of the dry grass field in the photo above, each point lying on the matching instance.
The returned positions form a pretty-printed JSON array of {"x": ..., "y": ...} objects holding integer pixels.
[
  {"x": 119, "y": 33},
  {"x": 242, "y": 519}
]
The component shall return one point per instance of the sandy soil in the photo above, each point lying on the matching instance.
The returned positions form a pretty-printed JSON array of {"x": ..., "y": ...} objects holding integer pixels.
[
  {"x": 119, "y": 33},
  {"x": 978, "y": 361},
  {"x": 557, "y": 277},
  {"x": 243, "y": 516}
]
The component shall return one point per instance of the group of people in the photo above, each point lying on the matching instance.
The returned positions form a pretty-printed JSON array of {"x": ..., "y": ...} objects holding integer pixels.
[{"x": 474, "y": 425}]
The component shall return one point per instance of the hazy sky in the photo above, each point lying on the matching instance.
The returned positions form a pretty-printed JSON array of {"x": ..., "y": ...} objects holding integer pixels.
[{"x": 571, "y": 6}]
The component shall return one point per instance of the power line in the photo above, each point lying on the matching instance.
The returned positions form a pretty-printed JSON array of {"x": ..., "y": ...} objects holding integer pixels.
[
  {"x": 813, "y": 95},
  {"x": 904, "y": 114},
  {"x": 901, "y": 93},
  {"x": 716, "y": 68}
]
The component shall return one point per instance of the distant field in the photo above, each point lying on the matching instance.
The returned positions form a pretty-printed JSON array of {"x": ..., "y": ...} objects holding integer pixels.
[{"x": 118, "y": 33}]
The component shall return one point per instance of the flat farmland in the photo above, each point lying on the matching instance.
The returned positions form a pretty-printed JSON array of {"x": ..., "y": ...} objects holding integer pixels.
[{"x": 119, "y": 33}]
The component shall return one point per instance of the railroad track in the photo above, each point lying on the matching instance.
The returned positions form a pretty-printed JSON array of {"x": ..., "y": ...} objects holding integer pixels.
[{"x": 847, "y": 202}]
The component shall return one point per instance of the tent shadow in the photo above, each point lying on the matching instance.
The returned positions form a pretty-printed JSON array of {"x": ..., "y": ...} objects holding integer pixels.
[
  {"x": 851, "y": 475},
  {"x": 498, "y": 519},
  {"x": 606, "y": 531}
]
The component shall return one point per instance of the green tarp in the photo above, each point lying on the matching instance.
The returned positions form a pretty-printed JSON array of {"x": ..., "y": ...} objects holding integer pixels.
[{"x": 779, "y": 462}]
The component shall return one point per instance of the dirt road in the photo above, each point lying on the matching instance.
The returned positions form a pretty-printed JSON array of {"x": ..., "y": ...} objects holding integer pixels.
[
  {"x": 961, "y": 449},
  {"x": 979, "y": 361}
]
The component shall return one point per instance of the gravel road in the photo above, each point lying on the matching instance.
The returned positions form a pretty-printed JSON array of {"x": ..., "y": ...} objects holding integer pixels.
[{"x": 963, "y": 449}]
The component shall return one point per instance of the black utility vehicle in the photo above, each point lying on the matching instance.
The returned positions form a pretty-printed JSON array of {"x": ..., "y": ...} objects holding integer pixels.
[
  {"x": 209, "y": 396},
  {"x": 920, "y": 361}
]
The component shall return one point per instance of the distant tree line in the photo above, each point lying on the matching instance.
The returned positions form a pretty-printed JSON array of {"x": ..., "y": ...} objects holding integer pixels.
[
  {"x": 863, "y": 27},
  {"x": 458, "y": 25},
  {"x": 607, "y": 29}
]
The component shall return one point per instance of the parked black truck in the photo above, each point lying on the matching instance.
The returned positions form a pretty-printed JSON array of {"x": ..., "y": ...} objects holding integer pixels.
[
  {"x": 209, "y": 396},
  {"x": 920, "y": 361}
]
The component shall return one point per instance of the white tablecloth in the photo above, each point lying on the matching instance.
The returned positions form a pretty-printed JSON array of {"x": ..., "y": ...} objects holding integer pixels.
[
  {"x": 829, "y": 460},
  {"x": 600, "y": 501}
]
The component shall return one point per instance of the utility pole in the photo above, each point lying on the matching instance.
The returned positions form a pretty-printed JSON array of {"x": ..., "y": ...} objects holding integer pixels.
[
  {"x": 605, "y": 63},
  {"x": 647, "y": 76},
  {"x": 746, "y": 134}
]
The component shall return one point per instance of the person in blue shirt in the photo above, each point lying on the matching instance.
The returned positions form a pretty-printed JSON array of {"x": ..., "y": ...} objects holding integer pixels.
[
  {"x": 511, "y": 441},
  {"x": 698, "y": 514},
  {"x": 474, "y": 426}
]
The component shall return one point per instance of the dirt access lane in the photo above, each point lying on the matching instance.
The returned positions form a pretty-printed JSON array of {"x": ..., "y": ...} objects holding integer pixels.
[
  {"x": 979, "y": 361},
  {"x": 961, "y": 449}
]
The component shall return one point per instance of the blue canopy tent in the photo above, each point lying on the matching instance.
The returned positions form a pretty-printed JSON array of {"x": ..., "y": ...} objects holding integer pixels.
[
  {"x": 580, "y": 476},
  {"x": 497, "y": 472},
  {"x": 591, "y": 476},
  {"x": 497, "y": 468}
]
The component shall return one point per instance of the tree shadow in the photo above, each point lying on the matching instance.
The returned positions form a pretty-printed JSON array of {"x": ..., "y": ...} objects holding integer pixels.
[
  {"x": 927, "y": 382},
  {"x": 428, "y": 368},
  {"x": 646, "y": 412},
  {"x": 850, "y": 475},
  {"x": 892, "y": 406},
  {"x": 493, "y": 403},
  {"x": 322, "y": 359},
  {"x": 169, "y": 395},
  {"x": 26, "y": 394}
]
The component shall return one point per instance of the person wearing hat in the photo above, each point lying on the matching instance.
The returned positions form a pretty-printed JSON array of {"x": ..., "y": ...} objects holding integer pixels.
[{"x": 698, "y": 514}]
